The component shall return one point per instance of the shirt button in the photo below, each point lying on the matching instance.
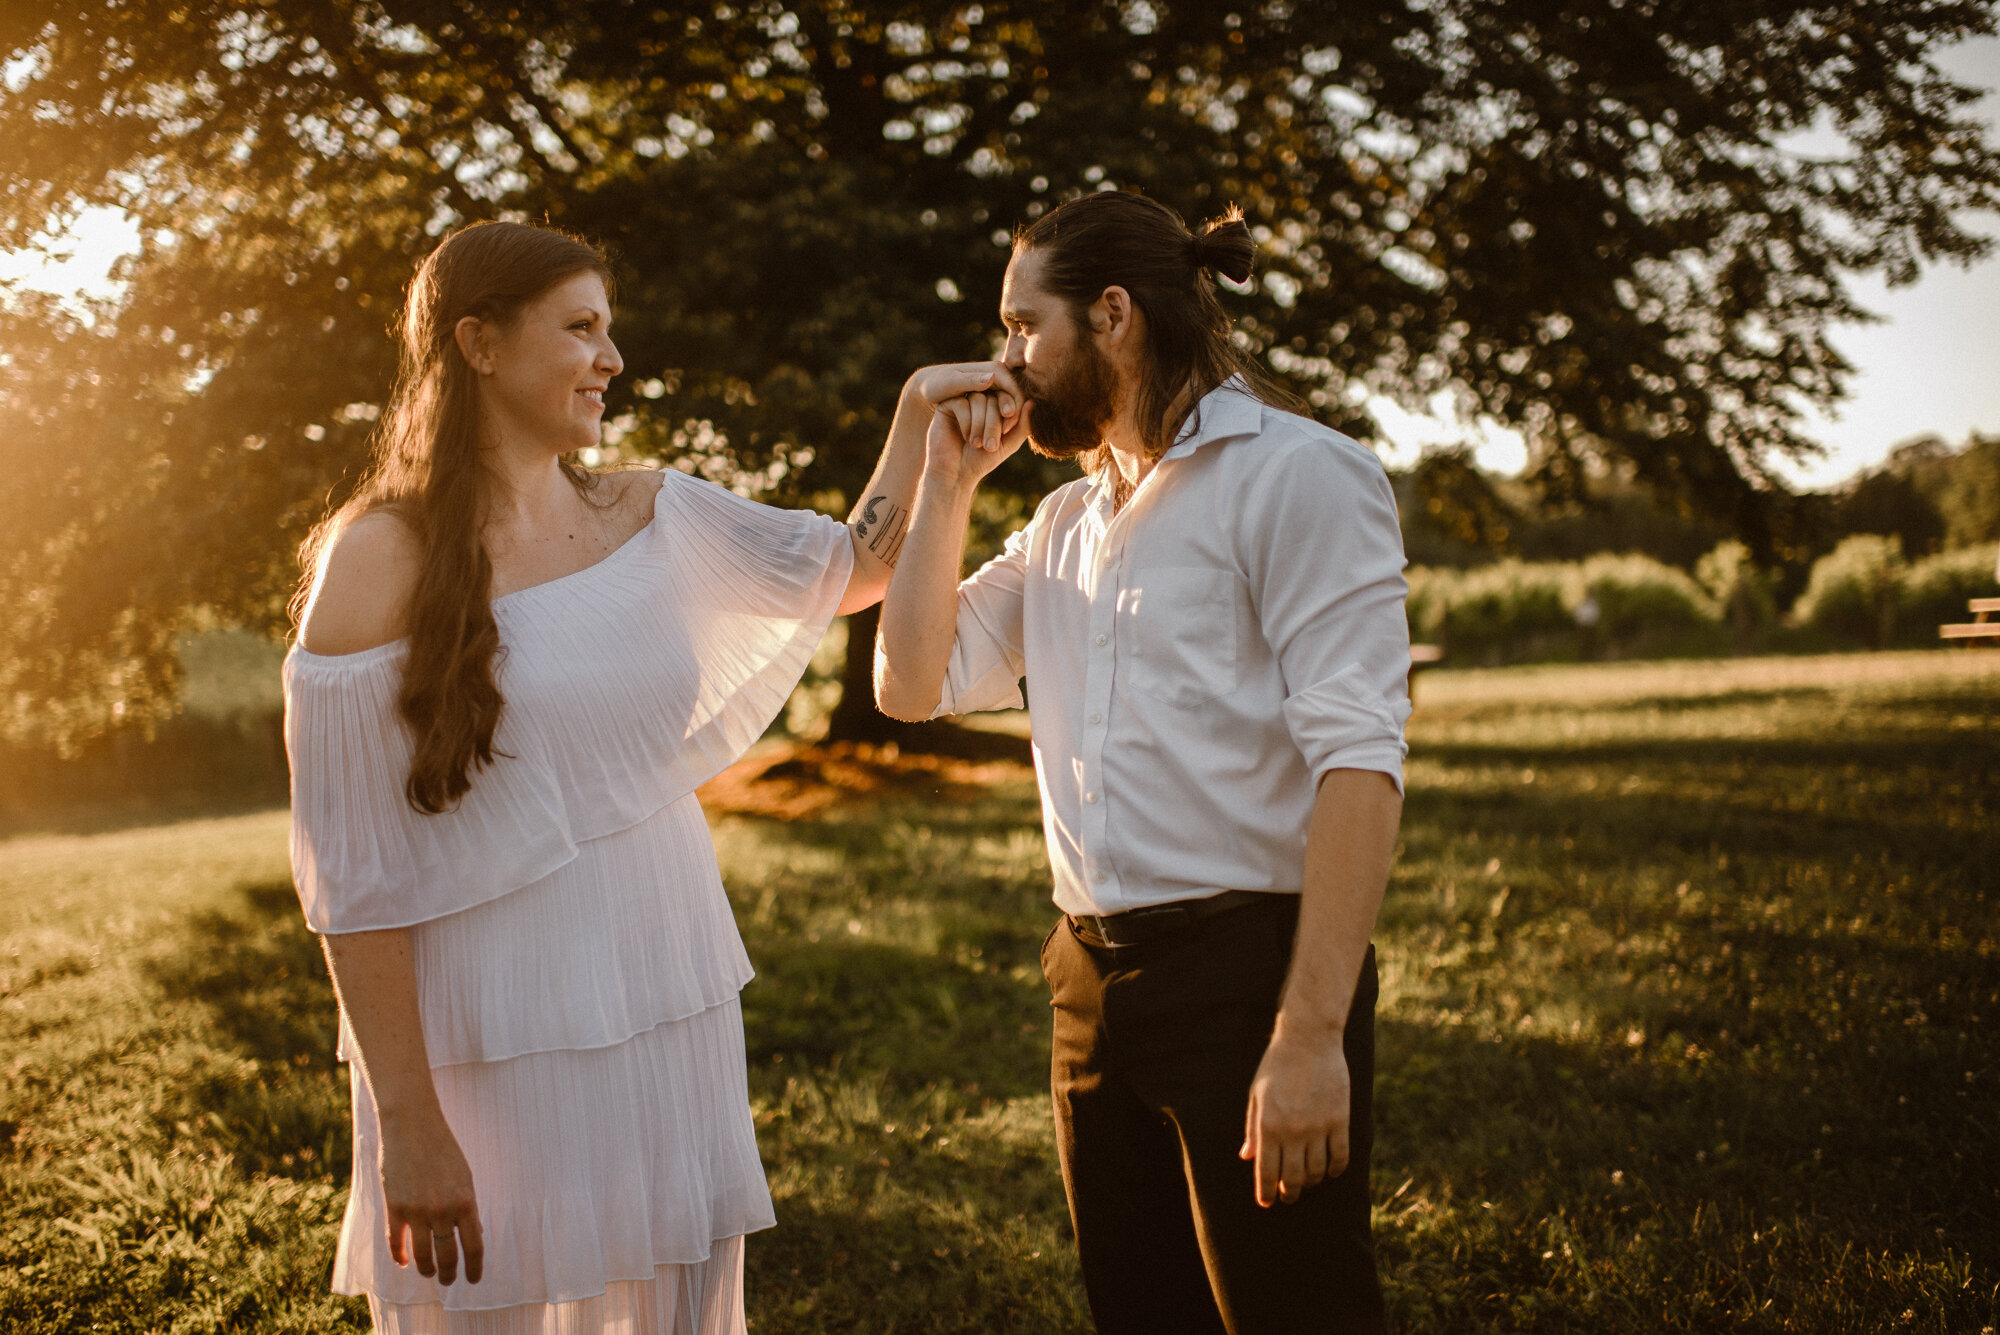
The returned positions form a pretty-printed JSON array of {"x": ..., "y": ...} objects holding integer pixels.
[
  {"x": 1096, "y": 717},
  {"x": 1103, "y": 639},
  {"x": 1101, "y": 877},
  {"x": 1091, "y": 798}
]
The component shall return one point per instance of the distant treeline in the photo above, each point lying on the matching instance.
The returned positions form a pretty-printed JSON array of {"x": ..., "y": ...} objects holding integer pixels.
[
  {"x": 1861, "y": 595},
  {"x": 1932, "y": 496},
  {"x": 1890, "y": 557},
  {"x": 225, "y": 750},
  {"x": 1880, "y": 563}
]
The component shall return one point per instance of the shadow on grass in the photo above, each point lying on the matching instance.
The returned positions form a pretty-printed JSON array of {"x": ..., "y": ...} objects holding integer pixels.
[
  {"x": 920, "y": 1269},
  {"x": 258, "y": 975},
  {"x": 916, "y": 960},
  {"x": 1926, "y": 802},
  {"x": 1769, "y": 954},
  {"x": 1533, "y": 1183},
  {"x": 915, "y": 1018}
]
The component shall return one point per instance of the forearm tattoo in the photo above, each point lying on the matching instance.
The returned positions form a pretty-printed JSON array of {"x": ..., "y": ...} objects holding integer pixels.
[{"x": 883, "y": 525}]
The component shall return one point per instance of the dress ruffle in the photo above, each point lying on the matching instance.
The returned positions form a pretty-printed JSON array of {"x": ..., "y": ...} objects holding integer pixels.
[
  {"x": 636, "y": 930},
  {"x": 629, "y": 684},
  {"x": 361, "y": 857},
  {"x": 591, "y": 1168}
]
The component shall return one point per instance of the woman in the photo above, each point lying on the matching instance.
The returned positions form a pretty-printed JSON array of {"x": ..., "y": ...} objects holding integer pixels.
[{"x": 511, "y": 676}]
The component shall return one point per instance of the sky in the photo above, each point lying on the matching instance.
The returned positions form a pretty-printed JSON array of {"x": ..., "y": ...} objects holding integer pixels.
[
  {"x": 1930, "y": 367},
  {"x": 78, "y": 263},
  {"x": 1933, "y": 365}
]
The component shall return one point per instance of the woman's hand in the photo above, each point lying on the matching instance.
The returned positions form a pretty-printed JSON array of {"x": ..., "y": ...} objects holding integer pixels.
[
  {"x": 426, "y": 1183},
  {"x": 938, "y": 385},
  {"x": 427, "y": 1187}
]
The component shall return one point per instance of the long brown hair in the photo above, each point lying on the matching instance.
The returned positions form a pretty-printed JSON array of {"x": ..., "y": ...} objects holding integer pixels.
[
  {"x": 1118, "y": 239},
  {"x": 426, "y": 468}
]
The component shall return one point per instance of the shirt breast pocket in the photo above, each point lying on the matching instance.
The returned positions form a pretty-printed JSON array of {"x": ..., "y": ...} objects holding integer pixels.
[{"x": 1182, "y": 632}]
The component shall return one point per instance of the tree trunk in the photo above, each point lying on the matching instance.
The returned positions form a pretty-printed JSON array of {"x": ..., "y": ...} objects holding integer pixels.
[{"x": 855, "y": 718}]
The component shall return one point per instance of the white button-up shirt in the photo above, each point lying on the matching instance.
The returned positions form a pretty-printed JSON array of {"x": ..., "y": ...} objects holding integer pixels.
[{"x": 1198, "y": 660}]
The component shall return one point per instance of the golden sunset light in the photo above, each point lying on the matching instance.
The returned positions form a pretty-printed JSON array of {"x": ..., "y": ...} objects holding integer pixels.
[{"x": 959, "y": 666}]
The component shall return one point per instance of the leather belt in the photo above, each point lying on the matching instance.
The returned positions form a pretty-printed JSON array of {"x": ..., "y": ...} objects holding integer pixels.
[{"x": 1134, "y": 926}]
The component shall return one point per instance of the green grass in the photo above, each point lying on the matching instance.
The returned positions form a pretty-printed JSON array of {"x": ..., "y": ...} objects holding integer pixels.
[
  {"x": 1694, "y": 980},
  {"x": 172, "y": 1143},
  {"x": 1691, "y": 978}
]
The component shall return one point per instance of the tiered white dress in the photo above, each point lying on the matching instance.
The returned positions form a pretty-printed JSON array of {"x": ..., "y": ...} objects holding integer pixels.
[{"x": 577, "y": 961}]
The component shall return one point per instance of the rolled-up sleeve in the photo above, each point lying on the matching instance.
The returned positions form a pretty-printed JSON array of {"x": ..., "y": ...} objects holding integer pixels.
[
  {"x": 1324, "y": 557},
  {"x": 987, "y": 658}
]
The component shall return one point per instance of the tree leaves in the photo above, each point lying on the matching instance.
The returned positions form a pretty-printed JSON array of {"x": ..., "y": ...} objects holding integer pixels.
[{"x": 1576, "y": 217}]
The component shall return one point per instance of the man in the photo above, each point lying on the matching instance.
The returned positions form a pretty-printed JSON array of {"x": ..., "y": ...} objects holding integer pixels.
[{"x": 1211, "y": 625}]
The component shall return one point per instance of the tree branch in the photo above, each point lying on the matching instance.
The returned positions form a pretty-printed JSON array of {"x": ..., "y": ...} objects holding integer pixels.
[{"x": 517, "y": 81}]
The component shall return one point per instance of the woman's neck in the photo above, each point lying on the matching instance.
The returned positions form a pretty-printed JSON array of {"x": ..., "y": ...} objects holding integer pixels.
[{"x": 529, "y": 491}]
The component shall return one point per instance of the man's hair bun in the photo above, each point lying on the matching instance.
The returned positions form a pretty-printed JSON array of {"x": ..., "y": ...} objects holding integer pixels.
[{"x": 1226, "y": 246}]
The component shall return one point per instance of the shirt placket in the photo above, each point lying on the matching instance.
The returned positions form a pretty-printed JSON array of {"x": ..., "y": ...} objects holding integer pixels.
[
  {"x": 1100, "y": 684},
  {"x": 1100, "y": 672}
]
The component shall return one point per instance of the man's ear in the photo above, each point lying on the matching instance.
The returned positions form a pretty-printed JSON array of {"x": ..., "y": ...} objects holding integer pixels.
[
  {"x": 471, "y": 336},
  {"x": 1112, "y": 315}
]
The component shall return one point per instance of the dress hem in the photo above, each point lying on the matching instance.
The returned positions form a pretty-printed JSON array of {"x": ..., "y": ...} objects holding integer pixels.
[
  {"x": 708, "y": 1004},
  {"x": 358, "y": 1292}
]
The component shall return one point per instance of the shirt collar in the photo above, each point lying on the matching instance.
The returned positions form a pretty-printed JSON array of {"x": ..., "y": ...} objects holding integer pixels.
[
  {"x": 1227, "y": 412},
  {"x": 1097, "y": 500}
]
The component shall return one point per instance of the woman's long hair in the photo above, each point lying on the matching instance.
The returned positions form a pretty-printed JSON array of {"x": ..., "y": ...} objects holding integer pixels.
[{"x": 426, "y": 468}]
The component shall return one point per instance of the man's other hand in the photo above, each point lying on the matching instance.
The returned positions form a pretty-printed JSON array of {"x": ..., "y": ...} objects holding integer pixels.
[{"x": 1296, "y": 1125}]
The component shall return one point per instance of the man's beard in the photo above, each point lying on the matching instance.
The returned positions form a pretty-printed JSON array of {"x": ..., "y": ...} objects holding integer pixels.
[{"x": 1067, "y": 414}]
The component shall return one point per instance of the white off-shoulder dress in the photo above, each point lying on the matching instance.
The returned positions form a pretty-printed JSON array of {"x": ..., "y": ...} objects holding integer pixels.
[{"x": 577, "y": 962}]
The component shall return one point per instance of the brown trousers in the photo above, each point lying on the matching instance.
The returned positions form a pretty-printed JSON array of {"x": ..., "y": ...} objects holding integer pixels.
[{"x": 1154, "y": 1050}]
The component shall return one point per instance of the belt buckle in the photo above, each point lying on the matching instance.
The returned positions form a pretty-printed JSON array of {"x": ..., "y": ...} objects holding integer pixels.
[
  {"x": 1110, "y": 933},
  {"x": 1090, "y": 926},
  {"x": 1135, "y": 926}
]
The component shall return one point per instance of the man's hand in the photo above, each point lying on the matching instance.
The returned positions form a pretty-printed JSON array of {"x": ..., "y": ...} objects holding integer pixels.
[
  {"x": 1302, "y": 1101},
  {"x": 1296, "y": 1124},
  {"x": 879, "y": 522},
  {"x": 970, "y": 436},
  {"x": 977, "y": 419}
]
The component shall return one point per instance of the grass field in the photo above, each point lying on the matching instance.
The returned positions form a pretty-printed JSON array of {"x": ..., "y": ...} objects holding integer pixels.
[{"x": 1691, "y": 978}]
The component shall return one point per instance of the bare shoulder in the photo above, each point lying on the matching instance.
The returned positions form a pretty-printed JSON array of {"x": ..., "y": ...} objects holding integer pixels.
[
  {"x": 626, "y": 499},
  {"x": 362, "y": 590},
  {"x": 632, "y": 491}
]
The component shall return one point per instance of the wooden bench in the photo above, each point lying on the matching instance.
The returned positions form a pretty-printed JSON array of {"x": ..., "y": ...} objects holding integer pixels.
[
  {"x": 1977, "y": 629},
  {"x": 1428, "y": 655}
]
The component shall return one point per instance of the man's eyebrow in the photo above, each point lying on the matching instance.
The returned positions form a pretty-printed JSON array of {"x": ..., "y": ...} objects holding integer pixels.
[{"x": 1017, "y": 314}]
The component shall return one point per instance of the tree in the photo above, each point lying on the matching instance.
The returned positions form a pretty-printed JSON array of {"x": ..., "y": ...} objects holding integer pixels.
[
  {"x": 1888, "y": 503},
  {"x": 1962, "y": 484},
  {"x": 1573, "y": 215}
]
